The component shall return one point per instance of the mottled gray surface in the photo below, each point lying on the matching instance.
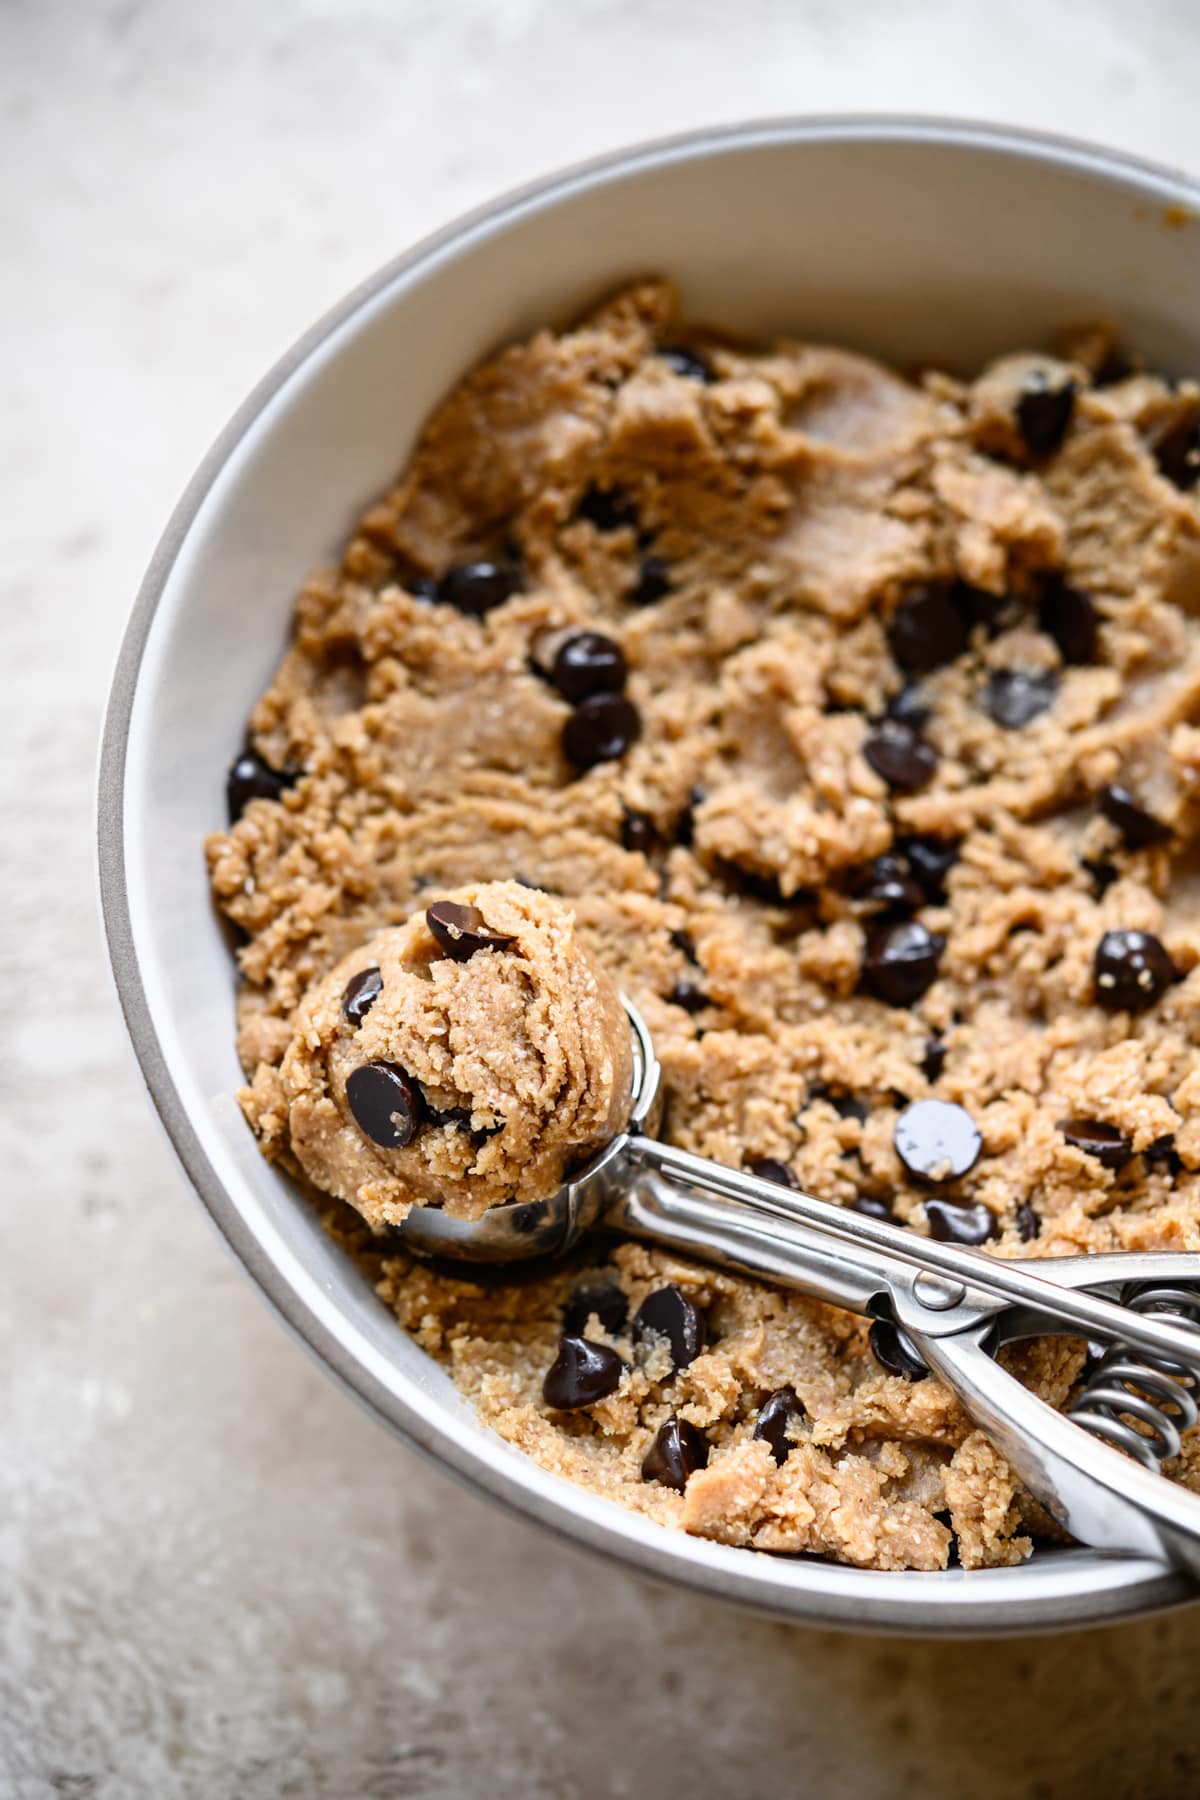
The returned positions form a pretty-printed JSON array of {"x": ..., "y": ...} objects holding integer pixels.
[{"x": 217, "y": 1577}]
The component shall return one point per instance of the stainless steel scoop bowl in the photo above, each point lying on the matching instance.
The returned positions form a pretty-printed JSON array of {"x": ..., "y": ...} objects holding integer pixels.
[{"x": 956, "y": 1306}]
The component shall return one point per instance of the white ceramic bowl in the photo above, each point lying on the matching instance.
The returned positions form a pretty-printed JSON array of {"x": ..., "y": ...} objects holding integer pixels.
[{"x": 914, "y": 240}]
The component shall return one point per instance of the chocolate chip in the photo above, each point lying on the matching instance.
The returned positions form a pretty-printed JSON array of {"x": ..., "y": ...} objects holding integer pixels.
[
  {"x": 581, "y": 1374},
  {"x": 1043, "y": 413},
  {"x": 902, "y": 962},
  {"x": 1028, "y": 1223},
  {"x": 895, "y": 1351},
  {"x": 606, "y": 1300},
  {"x": 588, "y": 663},
  {"x": 927, "y": 630},
  {"x": 1163, "y": 1154},
  {"x": 360, "y": 994},
  {"x": 685, "y": 824},
  {"x": 871, "y": 1208},
  {"x": 1116, "y": 366},
  {"x": 933, "y": 1059},
  {"x": 1138, "y": 827},
  {"x": 776, "y": 1416},
  {"x": 600, "y": 729},
  {"x": 1177, "y": 453},
  {"x": 930, "y": 860},
  {"x": 251, "y": 777},
  {"x": 458, "y": 1118},
  {"x": 689, "y": 996},
  {"x": 900, "y": 756},
  {"x": 1014, "y": 698},
  {"x": 682, "y": 941},
  {"x": 1109, "y": 1145},
  {"x": 1132, "y": 969},
  {"x": 607, "y": 509},
  {"x": 952, "y": 1224},
  {"x": 421, "y": 587},
  {"x": 475, "y": 588},
  {"x": 1102, "y": 872},
  {"x": 639, "y": 832},
  {"x": 885, "y": 882},
  {"x": 1069, "y": 616},
  {"x": 461, "y": 931},
  {"x": 669, "y": 1313},
  {"x": 937, "y": 1140},
  {"x": 846, "y": 1106},
  {"x": 677, "y": 1451},
  {"x": 910, "y": 707},
  {"x": 685, "y": 362},
  {"x": 769, "y": 1168},
  {"x": 653, "y": 582},
  {"x": 386, "y": 1102}
]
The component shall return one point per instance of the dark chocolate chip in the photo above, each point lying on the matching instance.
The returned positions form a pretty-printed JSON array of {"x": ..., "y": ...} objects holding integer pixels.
[
  {"x": 461, "y": 931},
  {"x": 251, "y": 777},
  {"x": 933, "y": 1059},
  {"x": 1107, "y": 1143},
  {"x": 685, "y": 824},
  {"x": 682, "y": 941},
  {"x": 1178, "y": 453},
  {"x": 900, "y": 756},
  {"x": 686, "y": 362},
  {"x": 607, "y": 509},
  {"x": 895, "y": 1351},
  {"x": 581, "y": 1374},
  {"x": 653, "y": 582},
  {"x": 386, "y": 1102},
  {"x": 422, "y": 587},
  {"x": 1138, "y": 827},
  {"x": 677, "y": 1451},
  {"x": 937, "y": 1140},
  {"x": 669, "y": 1313},
  {"x": 600, "y": 729},
  {"x": 476, "y": 587},
  {"x": 1116, "y": 366},
  {"x": 1044, "y": 412},
  {"x": 360, "y": 994},
  {"x": 588, "y": 663},
  {"x": 1014, "y": 697},
  {"x": 1132, "y": 969},
  {"x": 689, "y": 996},
  {"x": 1028, "y": 1223},
  {"x": 872, "y": 1208},
  {"x": 902, "y": 962},
  {"x": 927, "y": 630},
  {"x": 930, "y": 860},
  {"x": 847, "y": 1106},
  {"x": 1069, "y": 616},
  {"x": 910, "y": 707},
  {"x": 952, "y": 1224},
  {"x": 769, "y": 1168},
  {"x": 1163, "y": 1154},
  {"x": 885, "y": 882},
  {"x": 776, "y": 1416},
  {"x": 1103, "y": 873},
  {"x": 639, "y": 832},
  {"x": 606, "y": 1300}
]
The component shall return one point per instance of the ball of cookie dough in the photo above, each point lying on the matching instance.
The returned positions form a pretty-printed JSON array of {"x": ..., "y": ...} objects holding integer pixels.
[{"x": 469, "y": 1057}]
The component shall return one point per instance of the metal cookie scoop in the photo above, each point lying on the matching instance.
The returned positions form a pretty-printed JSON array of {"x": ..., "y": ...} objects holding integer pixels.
[{"x": 957, "y": 1306}]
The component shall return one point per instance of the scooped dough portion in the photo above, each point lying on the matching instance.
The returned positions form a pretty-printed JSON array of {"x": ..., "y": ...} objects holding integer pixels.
[{"x": 466, "y": 1058}]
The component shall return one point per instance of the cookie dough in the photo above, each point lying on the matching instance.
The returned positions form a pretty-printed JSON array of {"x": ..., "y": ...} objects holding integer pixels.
[
  {"x": 467, "y": 1058},
  {"x": 856, "y": 718}
]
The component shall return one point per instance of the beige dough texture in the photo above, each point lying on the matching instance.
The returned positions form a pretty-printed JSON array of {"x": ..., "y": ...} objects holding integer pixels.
[
  {"x": 519, "y": 1056},
  {"x": 824, "y": 914}
]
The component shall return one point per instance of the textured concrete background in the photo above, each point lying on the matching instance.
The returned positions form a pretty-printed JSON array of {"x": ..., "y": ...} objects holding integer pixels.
[{"x": 216, "y": 1578}]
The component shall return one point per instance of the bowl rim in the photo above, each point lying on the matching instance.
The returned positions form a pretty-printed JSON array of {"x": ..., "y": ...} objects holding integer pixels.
[{"x": 1054, "y": 1591}]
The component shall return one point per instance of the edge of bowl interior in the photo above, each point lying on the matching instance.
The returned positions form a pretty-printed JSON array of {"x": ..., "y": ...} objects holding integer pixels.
[{"x": 1057, "y": 1589}]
